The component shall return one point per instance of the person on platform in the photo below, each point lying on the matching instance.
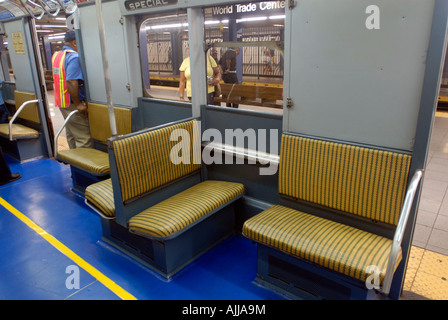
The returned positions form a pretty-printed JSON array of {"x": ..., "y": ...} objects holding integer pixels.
[
  {"x": 228, "y": 69},
  {"x": 213, "y": 78}
]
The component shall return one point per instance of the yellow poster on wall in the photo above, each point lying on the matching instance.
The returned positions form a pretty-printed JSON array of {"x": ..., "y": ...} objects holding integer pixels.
[{"x": 17, "y": 41}]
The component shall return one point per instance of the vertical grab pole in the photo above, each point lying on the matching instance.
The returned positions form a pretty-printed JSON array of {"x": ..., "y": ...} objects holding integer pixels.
[{"x": 99, "y": 14}]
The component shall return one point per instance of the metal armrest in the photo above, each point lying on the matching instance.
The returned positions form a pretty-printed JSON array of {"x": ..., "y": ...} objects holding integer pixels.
[
  {"x": 243, "y": 153},
  {"x": 399, "y": 232},
  {"x": 102, "y": 215},
  {"x": 59, "y": 132},
  {"x": 14, "y": 117}
]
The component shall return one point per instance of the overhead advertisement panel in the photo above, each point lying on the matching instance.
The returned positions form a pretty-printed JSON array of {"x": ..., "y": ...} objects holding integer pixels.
[{"x": 11, "y": 9}]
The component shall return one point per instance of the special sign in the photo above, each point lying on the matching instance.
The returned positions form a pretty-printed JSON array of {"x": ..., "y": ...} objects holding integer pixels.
[{"x": 131, "y": 5}]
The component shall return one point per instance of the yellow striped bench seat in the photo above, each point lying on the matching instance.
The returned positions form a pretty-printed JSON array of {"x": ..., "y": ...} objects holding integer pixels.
[
  {"x": 184, "y": 209},
  {"x": 30, "y": 113},
  {"x": 333, "y": 180},
  {"x": 165, "y": 214},
  {"x": 18, "y": 131},
  {"x": 101, "y": 196},
  {"x": 88, "y": 159},
  {"x": 335, "y": 246}
]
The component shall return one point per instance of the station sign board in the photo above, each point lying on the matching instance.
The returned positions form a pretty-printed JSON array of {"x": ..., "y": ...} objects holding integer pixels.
[{"x": 238, "y": 10}]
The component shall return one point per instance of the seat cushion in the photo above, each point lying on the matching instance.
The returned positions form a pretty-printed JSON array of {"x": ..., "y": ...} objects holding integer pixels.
[
  {"x": 88, "y": 159},
  {"x": 174, "y": 214},
  {"x": 18, "y": 131},
  {"x": 101, "y": 196},
  {"x": 335, "y": 246}
]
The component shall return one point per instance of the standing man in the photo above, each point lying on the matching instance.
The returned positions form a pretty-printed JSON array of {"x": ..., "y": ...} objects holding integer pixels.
[
  {"x": 228, "y": 68},
  {"x": 69, "y": 92}
]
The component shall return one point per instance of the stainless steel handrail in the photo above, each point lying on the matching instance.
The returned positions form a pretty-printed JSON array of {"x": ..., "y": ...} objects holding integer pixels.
[
  {"x": 31, "y": 12},
  {"x": 59, "y": 132},
  {"x": 44, "y": 4},
  {"x": 399, "y": 232},
  {"x": 75, "y": 6},
  {"x": 107, "y": 81},
  {"x": 102, "y": 215},
  {"x": 243, "y": 153}
]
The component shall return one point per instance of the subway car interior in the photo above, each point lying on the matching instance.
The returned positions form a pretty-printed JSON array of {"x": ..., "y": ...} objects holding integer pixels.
[{"x": 250, "y": 151}]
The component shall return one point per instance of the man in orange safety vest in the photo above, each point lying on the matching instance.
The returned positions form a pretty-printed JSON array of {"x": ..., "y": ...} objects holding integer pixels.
[{"x": 69, "y": 92}]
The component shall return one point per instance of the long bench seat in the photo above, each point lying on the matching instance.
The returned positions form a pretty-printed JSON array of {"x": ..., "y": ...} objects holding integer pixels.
[
  {"x": 161, "y": 220},
  {"x": 162, "y": 213},
  {"x": 339, "y": 225},
  {"x": 18, "y": 131},
  {"x": 165, "y": 219},
  {"x": 332, "y": 245},
  {"x": 88, "y": 159},
  {"x": 264, "y": 96}
]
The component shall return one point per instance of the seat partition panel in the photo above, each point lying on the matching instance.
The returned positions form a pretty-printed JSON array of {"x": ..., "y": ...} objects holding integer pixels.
[
  {"x": 30, "y": 112},
  {"x": 100, "y": 124},
  {"x": 148, "y": 160}
]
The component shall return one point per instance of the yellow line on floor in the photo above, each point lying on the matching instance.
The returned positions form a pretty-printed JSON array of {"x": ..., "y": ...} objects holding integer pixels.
[{"x": 120, "y": 292}]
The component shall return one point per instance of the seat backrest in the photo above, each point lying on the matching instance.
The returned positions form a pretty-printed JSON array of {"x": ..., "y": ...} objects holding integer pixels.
[
  {"x": 30, "y": 112},
  {"x": 100, "y": 125},
  {"x": 144, "y": 160},
  {"x": 367, "y": 182}
]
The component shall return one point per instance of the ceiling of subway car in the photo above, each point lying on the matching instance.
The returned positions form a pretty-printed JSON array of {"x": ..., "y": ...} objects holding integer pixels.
[{"x": 50, "y": 15}]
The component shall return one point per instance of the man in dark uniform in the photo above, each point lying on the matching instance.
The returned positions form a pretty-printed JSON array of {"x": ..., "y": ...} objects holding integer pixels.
[{"x": 228, "y": 69}]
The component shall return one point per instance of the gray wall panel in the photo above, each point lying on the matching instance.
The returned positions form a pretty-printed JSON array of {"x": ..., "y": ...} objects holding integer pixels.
[
  {"x": 351, "y": 83},
  {"x": 20, "y": 61},
  {"x": 118, "y": 55}
]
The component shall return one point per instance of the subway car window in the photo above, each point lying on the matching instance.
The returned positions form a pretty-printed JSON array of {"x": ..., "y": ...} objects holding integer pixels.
[
  {"x": 244, "y": 44},
  {"x": 5, "y": 60},
  {"x": 163, "y": 47},
  {"x": 251, "y": 63}
]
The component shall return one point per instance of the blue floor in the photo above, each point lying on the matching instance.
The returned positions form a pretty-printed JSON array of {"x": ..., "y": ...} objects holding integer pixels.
[{"x": 33, "y": 269}]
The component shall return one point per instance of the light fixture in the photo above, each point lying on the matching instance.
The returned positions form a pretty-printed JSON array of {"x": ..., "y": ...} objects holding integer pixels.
[
  {"x": 51, "y": 26},
  {"x": 252, "y": 19},
  {"x": 167, "y": 26},
  {"x": 56, "y": 36},
  {"x": 277, "y": 17}
]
